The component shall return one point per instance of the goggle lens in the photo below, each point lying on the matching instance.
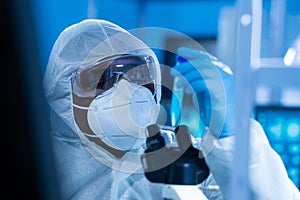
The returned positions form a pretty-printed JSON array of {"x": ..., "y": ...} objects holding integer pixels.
[{"x": 102, "y": 76}]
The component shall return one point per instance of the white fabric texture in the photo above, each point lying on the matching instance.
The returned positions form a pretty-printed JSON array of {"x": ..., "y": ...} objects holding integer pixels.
[{"x": 268, "y": 178}]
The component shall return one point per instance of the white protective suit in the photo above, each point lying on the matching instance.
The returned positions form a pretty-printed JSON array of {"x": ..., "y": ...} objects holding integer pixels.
[{"x": 81, "y": 172}]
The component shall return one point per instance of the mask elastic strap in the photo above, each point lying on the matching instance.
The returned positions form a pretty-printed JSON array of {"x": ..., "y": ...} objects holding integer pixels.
[
  {"x": 95, "y": 139},
  {"x": 81, "y": 107}
]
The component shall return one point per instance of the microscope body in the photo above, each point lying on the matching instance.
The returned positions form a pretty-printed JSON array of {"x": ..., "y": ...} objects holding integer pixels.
[{"x": 178, "y": 165}]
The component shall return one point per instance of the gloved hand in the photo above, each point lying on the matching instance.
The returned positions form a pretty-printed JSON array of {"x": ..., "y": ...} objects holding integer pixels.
[{"x": 212, "y": 84}]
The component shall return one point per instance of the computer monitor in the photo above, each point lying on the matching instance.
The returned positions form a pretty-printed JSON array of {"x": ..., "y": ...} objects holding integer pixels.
[{"x": 282, "y": 127}]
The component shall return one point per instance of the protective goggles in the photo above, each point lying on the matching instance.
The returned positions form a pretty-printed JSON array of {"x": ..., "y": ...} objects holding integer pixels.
[{"x": 137, "y": 69}]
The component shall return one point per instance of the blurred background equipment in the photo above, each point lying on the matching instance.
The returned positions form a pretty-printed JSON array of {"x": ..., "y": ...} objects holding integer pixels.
[
  {"x": 266, "y": 68},
  {"x": 27, "y": 165}
]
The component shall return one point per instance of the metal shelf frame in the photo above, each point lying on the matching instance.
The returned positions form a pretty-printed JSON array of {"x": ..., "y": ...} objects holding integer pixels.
[{"x": 252, "y": 71}]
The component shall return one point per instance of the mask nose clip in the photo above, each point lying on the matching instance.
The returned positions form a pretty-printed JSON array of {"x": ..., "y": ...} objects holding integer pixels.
[
  {"x": 118, "y": 76},
  {"x": 110, "y": 80}
]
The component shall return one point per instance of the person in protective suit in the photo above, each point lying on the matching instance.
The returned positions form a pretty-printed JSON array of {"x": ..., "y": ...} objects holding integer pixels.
[{"x": 103, "y": 87}]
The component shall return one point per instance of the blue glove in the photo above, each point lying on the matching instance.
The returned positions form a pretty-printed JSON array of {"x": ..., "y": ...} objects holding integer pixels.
[{"x": 212, "y": 84}]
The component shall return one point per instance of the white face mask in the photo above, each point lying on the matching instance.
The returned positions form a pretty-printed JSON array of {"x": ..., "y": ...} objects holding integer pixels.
[{"x": 120, "y": 115}]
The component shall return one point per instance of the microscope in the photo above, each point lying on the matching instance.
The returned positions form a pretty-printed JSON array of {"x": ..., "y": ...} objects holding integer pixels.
[{"x": 177, "y": 164}]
